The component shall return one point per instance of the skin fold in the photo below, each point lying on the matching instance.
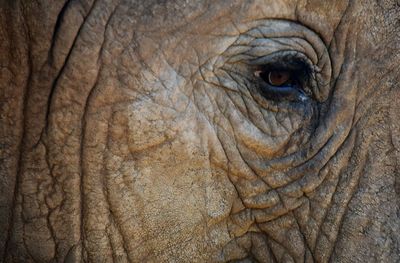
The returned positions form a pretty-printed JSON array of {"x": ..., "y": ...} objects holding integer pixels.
[{"x": 137, "y": 131}]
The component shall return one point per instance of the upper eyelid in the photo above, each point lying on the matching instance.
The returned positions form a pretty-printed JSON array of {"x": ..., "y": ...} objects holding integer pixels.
[
  {"x": 283, "y": 58},
  {"x": 264, "y": 46}
]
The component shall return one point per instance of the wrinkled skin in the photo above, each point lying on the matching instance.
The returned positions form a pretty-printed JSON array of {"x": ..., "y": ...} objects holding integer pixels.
[{"x": 135, "y": 131}]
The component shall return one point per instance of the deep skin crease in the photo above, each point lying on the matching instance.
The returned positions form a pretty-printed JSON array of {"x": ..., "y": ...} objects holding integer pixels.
[{"x": 136, "y": 131}]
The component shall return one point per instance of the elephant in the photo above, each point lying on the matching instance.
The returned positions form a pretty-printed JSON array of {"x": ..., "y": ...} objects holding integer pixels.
[{"x": 200, "y": 131}]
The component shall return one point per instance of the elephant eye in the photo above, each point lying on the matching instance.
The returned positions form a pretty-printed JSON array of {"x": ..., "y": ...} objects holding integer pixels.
[
  {"x": 277, "y": 78},
  {"x": 283, "y": 84}
]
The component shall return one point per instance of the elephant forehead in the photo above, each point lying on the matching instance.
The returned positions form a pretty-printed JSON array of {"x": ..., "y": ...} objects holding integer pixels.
[
  {"x": 192, "y": 33},
  {"x": 168, "y": 18}
]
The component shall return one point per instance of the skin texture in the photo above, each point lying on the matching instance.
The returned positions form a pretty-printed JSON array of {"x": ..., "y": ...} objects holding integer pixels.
[{"x": 134, "y": 131}]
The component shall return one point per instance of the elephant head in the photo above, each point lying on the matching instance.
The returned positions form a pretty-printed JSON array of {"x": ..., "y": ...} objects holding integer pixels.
[{"x": 200, "y": 131}]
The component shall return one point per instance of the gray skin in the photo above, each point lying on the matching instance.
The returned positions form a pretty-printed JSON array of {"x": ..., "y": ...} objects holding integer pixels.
[{"x": 140, "y": 131}]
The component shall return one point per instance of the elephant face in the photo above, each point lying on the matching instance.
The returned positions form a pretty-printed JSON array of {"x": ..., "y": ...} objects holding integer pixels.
[{"x": 205, "y": 131}]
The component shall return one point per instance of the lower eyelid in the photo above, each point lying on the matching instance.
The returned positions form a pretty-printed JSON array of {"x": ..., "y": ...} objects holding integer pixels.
[{"x": 283, "y": 92}]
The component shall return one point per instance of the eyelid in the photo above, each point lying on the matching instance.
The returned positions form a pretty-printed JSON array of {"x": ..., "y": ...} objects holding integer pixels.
[
  {"x": 285, "y": 93},
  {"x": 283, "y": 60}
]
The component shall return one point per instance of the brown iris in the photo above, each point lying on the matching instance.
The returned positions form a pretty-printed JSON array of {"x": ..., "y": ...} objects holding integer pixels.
[
  {"x": 276, "y": 77},
  {"x": 279, "y": 77}
]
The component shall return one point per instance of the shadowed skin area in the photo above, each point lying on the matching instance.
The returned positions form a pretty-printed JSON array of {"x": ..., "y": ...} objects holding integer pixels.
[{"x": 140, "y": 131}]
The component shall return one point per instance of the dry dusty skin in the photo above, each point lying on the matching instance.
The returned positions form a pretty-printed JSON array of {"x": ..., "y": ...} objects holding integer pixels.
[{"x": 199, "y": 131}]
